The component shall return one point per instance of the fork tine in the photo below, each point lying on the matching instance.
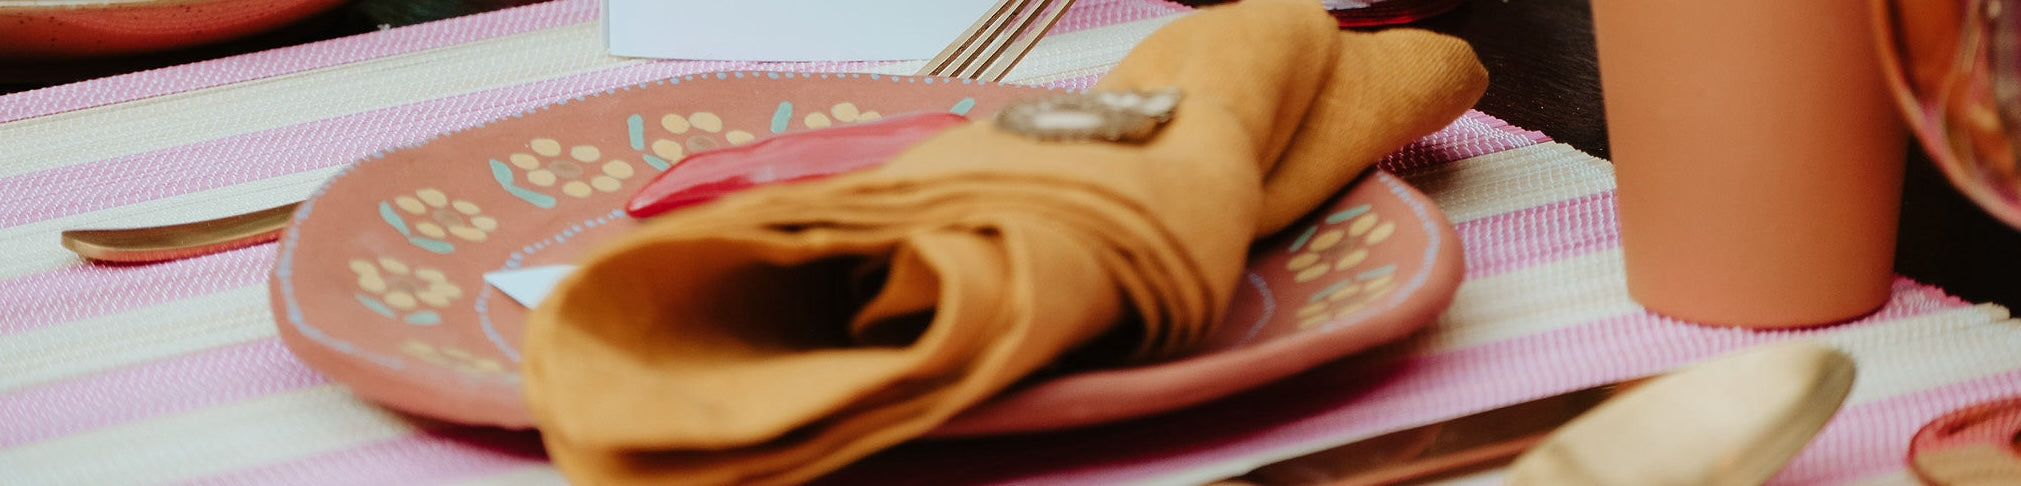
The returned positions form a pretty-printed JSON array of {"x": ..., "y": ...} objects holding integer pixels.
[
  {"x": 997, "y": 70},
  {"x": 968, "y": 38},
  {"x": 994, "y": 49},
  {"x": 1009, "y": 28},
  {"x": 988, "y": 43}
]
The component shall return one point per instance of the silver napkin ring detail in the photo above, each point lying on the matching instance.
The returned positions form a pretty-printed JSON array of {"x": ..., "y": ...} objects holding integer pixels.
[{"x": 1114, "y": 116}]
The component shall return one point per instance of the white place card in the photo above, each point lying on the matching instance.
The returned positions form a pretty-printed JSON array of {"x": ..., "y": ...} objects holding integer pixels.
[{"x": 786, "y": 30}]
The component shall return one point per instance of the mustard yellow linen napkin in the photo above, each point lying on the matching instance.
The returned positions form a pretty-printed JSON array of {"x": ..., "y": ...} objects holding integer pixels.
[{"x": 781, "y": 333}]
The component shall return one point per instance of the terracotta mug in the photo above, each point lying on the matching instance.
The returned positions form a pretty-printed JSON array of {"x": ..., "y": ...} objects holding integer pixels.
[{"x": 1759, "y": 158}]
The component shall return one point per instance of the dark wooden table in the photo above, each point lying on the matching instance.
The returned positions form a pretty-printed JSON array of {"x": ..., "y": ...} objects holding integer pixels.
[{"x": 1539, "y": 54}]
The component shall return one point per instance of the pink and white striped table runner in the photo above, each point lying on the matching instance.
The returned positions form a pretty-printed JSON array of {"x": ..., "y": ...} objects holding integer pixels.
[{"x": 170, "y": 373}]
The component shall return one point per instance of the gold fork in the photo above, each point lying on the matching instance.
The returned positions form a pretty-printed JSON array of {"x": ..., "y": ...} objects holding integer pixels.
[
  {"x": 1010, "y": 28},
  {"x": 985, "y": 52}
]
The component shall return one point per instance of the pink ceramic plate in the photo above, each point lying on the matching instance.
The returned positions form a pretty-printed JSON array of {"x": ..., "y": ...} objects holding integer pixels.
[{"x": 380, "y": 279}]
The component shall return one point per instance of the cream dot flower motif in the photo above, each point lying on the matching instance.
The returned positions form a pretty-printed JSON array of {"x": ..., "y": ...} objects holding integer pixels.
[
  {"x": 462, "y": 361},
  {"x": 578, "y": 171},
  {"x": 397, "y": 290},
  {"x": 1338, "y": 248},
  {"x": 682, "y": 135},
  {"x": 1345, "y": 297},
  {"x": 433, "y": 214},
  {"x": 841, "y": 113}
]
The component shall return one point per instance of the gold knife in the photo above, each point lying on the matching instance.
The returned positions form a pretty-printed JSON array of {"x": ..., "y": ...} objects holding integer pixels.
[{"x": 1445, "y": 449}]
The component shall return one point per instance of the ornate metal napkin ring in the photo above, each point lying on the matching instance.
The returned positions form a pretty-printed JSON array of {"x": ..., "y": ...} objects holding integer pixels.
[{"x": 1114, "y": 116}]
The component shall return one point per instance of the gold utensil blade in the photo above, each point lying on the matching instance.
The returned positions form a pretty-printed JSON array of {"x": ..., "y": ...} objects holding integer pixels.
[
  {"x": 1471, "y": 443},
  {"x": 159, "y": 243}
]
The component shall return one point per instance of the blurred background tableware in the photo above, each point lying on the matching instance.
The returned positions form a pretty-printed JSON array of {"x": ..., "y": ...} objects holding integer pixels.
[
  {"x": 53, "y": 29},
  {"x": 1372, "y": 13},
  {"x": 1955, "y": 69},
  {"x": 62, "y": 41},
  {"x": 1971, "y": 446},
  {"x": 1759, "y": 158}
]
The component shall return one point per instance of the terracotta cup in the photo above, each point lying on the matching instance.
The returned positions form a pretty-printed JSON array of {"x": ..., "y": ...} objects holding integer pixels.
[{"x": 1758, "y": 154}]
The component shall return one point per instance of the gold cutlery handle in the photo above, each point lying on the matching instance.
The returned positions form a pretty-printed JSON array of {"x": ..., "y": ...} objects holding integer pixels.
[{"x": 158, "y": 243}]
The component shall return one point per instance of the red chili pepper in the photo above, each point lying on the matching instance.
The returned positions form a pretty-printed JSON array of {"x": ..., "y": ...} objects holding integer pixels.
[{"x": 706, "y": 176}]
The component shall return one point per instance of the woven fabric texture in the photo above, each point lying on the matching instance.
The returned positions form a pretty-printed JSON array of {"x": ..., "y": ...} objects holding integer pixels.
[{"x": 171, "y": 372}]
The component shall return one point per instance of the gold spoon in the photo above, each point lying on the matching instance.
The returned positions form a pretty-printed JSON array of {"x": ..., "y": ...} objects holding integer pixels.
[
  {"x": 1731, "y": 420},
  {"x": 1734, "y": 420},
  {"x": 185, "y": 240}
]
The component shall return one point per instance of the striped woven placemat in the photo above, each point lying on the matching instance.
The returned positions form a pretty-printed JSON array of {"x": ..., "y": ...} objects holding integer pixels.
[
  {"x": 170, "y": 372},
  {"x": 1544, "y": 310}
]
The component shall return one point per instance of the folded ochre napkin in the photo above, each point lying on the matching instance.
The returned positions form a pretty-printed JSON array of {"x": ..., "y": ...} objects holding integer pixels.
[{"x": 783, "y": 332}]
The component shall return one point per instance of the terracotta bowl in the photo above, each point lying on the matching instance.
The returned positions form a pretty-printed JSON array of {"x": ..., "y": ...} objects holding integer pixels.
[{"x": 56, "y": 29}]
